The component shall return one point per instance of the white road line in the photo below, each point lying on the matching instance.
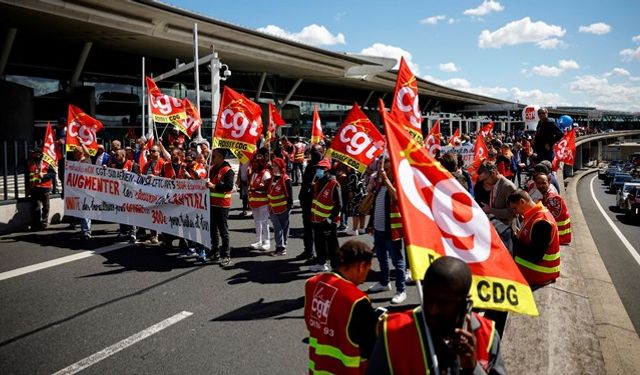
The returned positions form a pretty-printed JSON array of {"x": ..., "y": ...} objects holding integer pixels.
[
  {"x": 59, "y": 261},
  {"x": 113, "y": 349},
  {"x": 625, "y": 242}
]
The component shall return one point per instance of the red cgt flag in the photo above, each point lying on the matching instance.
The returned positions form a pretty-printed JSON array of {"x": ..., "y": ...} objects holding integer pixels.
[
  {"x": 192, "y": 123},
  {"x": 239, "y": 124},
  {"x": 49, "y": 154},
  {"x": 142, "y": 156},
  {"x": 405, "y": 107},
  {"x": 432, "y": 143},
  {"x": 358, "y": 142},
  {"x": 80, "y": 124},
  {"x": 487, "y": 129},
  {"x": 316, "y": 128},
  {"x": 275, "y": 121},
  {"x": 164, "y": 108},
  {"x": 440, "y": 218},
  {"x": 565, "y": 150},
  {"x": 480, "y": 153},
  {"x": 455, "y": 137}
]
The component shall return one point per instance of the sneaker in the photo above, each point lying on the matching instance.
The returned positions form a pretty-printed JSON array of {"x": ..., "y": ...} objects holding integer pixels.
[
  {"x": 362, "y": 231},
  {"x": 279, "y": 252},
  {"x": 202, "y": 256},
  {"x": 86, "y": 236},
  {"x": 353, "y": 232},
  {"x": 215, "y": 258},
  {"x": 407, "y": 276},
  {"x": 319, "y": 268},
  {"x": 256, "y": 245},
  {"x": 342, "y": 228},
  {"x": 225, "y": 261},
  {"x": 399, "y": 298},
  {"x": 378, "y": 287},
  {"x": 265, "y": 246}
]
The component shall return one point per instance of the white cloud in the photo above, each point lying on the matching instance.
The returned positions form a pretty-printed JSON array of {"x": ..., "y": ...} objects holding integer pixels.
[
  {"x": 630, "y": 54},
  {"x": 518, "y": 32},
  {"x": 315, "y": 35},
  {"x": 568, "y": 64},
  {"x": 551, "y": 43},
  {"x": 606, "y": 95},
  {"x": 619, "y": 72},
  {"x": 598, "y": 28},
  {"x": 546, "y": 71},
  {"x": 384, "y": 50},
  {"x": 449, "y": 67},
  {"x": 485, "y": 8},
  {"x": 433, "y": 20},
  {"x": 636, "y": 38}
]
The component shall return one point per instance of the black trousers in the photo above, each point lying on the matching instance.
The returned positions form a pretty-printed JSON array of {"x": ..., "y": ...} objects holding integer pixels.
[
  {"x": 39, "y": 197},
  {"x": 308, "y": 229},
  {"x": 325, "y": 238},
  {"x": 219, "y": 230}
]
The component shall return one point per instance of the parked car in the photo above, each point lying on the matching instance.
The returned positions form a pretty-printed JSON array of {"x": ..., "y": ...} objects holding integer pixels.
[
  {"x": 622, "y": 193},
  {"x": 618, "y": 180},
  {"x": 633, "y": 203},
  {"x": 611, "y": 171}
]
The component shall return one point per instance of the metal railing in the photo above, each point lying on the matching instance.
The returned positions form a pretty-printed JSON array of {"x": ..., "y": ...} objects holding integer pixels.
[{"x": 15, "y": 157}]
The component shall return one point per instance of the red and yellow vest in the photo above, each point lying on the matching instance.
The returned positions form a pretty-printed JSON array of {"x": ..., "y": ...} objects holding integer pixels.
[
  {"x": 219, "y": 198},
  {"x": 407, "y": 351},
  {"x": 328, "y": 309},
  {"x": 395, "y": 221},
  {"x": 298, "y": 152},
  {"x": 558, "y": 208},
  {"x": 257, "y": 194},
  {"x": 548, "y": 268},
  {"x": 322, "y": 203},
  {"x": 34, "y": 179},
  {"x": 277, "y": 195}
]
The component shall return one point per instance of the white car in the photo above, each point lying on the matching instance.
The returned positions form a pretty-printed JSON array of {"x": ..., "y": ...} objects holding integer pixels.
[{"x": 621, "y": 195}]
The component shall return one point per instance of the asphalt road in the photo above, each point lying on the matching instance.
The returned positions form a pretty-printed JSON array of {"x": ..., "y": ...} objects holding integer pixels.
[
  {"x": 244, "y": 319},
  {"x": 623, "y": 268}
]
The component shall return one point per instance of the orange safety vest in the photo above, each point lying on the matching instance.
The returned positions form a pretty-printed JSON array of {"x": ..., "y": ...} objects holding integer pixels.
[
  {"x": 216, "y": 198},
  {"x": 322, "y": 203},
  {"x": 278, "y": 196},
  {"x": 407, "y": 349},
  {"x": 157, "y": 167},
  {"x": 558, "y": 208},
  {"x": 257, "y": 195},
  {"x": 34, "y": 179},
  {"x": 548, "y": 268},
  {"x": 201, "y": 171},
  {"x": 328, "y": 309},
  {"x": 395, "y": 222},
  {"x": 298, "y": 156}
]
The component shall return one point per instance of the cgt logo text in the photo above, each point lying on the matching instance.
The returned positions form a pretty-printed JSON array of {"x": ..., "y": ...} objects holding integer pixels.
[{"x": 321, "y": 303}]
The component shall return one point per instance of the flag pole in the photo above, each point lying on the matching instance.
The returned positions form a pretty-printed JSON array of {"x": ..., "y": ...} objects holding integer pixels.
[
  {"x": 144, "y": 93},
  {"x": 196, "y": 74}
]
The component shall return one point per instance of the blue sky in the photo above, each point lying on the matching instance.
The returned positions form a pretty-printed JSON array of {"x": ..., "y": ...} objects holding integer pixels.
[{"x": 555, "y": 53}]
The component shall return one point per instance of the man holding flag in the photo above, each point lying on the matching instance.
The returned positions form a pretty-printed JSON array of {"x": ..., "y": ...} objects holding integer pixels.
[{"x": 41, "y": 177}]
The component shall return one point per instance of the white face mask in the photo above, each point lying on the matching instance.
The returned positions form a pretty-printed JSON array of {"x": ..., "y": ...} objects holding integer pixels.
[{"x": 320, "y": 173}]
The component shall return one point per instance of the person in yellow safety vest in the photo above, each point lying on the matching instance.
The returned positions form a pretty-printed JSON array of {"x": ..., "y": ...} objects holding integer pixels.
[
  {"x": 325, "y": 215},
  {"x": 556, "y": 205},
  {"x": 464, "y": 342},
  {"x": 537, "y": 245},
  {"x": 220, "y": 185},
  {"x": 338, "y": 315},
  {"x": 280, "y": 196},
  {"x": 298, "y": 160},
  {"x": 41, "y": 177},
  {"x": 385, "y": 224}
]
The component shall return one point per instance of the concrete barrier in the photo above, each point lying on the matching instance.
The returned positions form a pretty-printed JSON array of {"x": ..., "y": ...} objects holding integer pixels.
[
  {"x": 16, "y": 217},
  {"x": 583, "y": 328}
]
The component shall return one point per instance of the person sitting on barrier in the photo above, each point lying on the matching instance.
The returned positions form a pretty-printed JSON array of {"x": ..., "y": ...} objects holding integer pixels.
[
  {"x": 464, "y": 342},
  {"x": 338, "y": 315},
  {"x": 536, "y": 244},
  {"x": 556, "y": 205}
]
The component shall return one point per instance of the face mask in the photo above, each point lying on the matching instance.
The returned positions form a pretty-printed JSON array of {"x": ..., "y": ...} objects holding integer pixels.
[{"x": 320, "y": 173}]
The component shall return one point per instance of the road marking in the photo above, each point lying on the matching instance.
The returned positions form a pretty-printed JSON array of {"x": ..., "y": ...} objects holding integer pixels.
[
  {"x": 625, "y": 242},
  {"x": 113, "y": 349},
  {"x": 59, "y": 261}
]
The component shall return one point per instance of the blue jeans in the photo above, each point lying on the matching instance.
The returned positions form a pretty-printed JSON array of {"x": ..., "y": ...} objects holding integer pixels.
[
  {"x": 85, "y": 226},
  {"x": 280, "y": 228},
  {"x": 384, "y": 247}
]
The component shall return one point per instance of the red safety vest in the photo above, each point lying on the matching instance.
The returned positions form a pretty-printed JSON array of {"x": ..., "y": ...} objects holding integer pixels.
[
  {"x": 217, "y": 198},
  {"x": 298, "y": 155},
  {"x": 157, "y": 167},
  {"x": 558, "y": 208},
  {"x": 170, "y": 172},
  {"x": 257, "y": 194},
  {"x": 328, "y": 309},
  {"x": 34, "y": 179},
  {"x": 322, "y": 203},
  {"x": 278, "y": 196},
  {"x": 407, "y": 349},
  {"x": 548, "y": 268},
  {"x": 395, "y": 222}
]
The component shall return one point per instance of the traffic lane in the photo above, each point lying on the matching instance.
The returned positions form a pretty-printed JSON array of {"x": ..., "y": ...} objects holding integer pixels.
[
  {"x": 621, "y": 266},
  {"x": 629, "y": 227}
]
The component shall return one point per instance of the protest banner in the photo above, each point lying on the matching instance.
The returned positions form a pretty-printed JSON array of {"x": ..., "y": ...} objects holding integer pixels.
[
  {"x": 79, "y": 124},
  {"x": 173, "y": 206},
  {"x": 192, "y": 123},
  {"x": 466, "y": 151},
  {"x": 164, "y": 108},
  {"x": 565, "y": 150},
  {"x": 405, "y": 107}
]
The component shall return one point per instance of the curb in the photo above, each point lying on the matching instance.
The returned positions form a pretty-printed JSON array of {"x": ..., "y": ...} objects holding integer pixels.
[{"x": 619, "y": 342}]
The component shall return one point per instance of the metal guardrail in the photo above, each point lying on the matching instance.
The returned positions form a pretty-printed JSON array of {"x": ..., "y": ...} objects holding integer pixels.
[{"x": 15, "y": 156}]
